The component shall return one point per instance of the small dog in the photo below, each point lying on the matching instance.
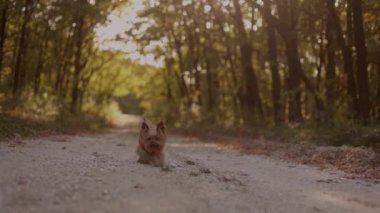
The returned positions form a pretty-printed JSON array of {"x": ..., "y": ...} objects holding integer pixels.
[{"x": 151, "y": 143}]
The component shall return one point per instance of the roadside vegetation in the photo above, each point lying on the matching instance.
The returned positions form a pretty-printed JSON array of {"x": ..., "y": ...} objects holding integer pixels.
[{"x": 296, "y": 72}]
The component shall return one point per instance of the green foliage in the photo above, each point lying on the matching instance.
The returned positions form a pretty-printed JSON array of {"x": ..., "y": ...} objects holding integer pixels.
[
  {"x": 217, "y": 70},
  {"x": 203, "y": 76}
]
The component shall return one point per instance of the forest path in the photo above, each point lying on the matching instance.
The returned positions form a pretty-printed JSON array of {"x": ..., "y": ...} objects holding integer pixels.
[{"x": 99, "y": 173}]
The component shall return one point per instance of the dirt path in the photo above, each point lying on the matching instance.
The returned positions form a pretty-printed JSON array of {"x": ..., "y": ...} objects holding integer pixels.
[{"x": 99, "y": 173}]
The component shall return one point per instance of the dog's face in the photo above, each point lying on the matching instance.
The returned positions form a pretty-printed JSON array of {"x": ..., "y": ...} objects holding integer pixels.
[{"x": 152, "y": 138}]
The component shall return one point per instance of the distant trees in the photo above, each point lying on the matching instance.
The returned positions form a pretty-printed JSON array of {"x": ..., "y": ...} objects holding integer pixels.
[
  {"x": 287, "y": 60},
  {"x": 230, "y": 62},
  {"x": 45, "y": 46}
]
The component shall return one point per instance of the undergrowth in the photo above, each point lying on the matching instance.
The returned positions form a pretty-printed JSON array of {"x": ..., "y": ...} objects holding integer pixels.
[
  {"x": 368, "y": 136},
  {"x": 11, "y": 126}
]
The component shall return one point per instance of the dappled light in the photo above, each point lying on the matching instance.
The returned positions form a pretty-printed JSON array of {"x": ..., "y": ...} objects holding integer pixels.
[
  {"x": 126, "y": 121},
  {"x": 227, "y": 63},
  {"x": 189, "y": 106}
]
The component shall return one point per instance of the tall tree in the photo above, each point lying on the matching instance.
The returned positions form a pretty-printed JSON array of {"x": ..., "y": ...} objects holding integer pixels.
[
  {"x": 278, "y": 110},
  {"x": 347, "y": 57},
  {"x": 78, "y": 63},
  {"x": 330, "y": 68},
  {"x": 18, "y": 72},
  {"x": 3, "y": 23},
  {"x": 361, "y": 59},
  {"x": 252, "y": 93}
]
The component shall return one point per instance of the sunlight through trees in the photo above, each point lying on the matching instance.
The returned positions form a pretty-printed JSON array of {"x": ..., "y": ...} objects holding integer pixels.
[{"x": 222, "y": 62}]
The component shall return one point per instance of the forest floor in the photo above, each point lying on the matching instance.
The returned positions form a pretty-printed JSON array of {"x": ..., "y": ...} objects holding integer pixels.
[
  {"x": 357, "y": 162},
  {"x": 99, "y": 173}
]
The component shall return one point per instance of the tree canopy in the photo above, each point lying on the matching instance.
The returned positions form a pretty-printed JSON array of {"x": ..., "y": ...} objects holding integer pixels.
[{"x": 225, "y": 62}]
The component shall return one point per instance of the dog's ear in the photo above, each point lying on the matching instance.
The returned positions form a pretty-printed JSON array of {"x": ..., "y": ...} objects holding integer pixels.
[
  {"x": 161, "y": 129},
  {"x": 144, "y": 126}
]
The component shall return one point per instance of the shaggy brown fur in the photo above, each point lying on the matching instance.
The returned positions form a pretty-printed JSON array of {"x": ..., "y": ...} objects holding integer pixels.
[{"x": 151, "y": 143}]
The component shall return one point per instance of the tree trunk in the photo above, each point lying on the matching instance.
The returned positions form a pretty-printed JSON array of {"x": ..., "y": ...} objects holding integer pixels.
[
  {"x": 347, "y": 58},
  {"x": 219, "y": 19},
  {"x": 62, "y": 70},
  {"x": 167, "y": 76},
  {"x": 207, "y": 51},
  {"x": 349, "y": 25},
  {"x": 3, "y": 34},
  {"x": 287, "y": 14},
  {"x": 361, "y": 60},
  {"x": 194, "y": 60},
  {"x": 376, "y": 101},
  {"x": 78, "y": 65},
  {"x": 320, "y": 51},
  {"x": 181, "y": 77},
  {"x": 40, "y": 63},
  {"x": 278, "y": 110},
  {"x": 18, "y": 73},
  {"x": 330, "y": 70},
  {"x": 287, "y": 28},
  {"x": 252, "y": 94},
  {"x": 294, "y": 82}
]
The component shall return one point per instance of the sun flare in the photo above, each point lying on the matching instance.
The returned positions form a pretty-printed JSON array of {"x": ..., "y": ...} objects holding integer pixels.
[{"x": 108, "y": 35}]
